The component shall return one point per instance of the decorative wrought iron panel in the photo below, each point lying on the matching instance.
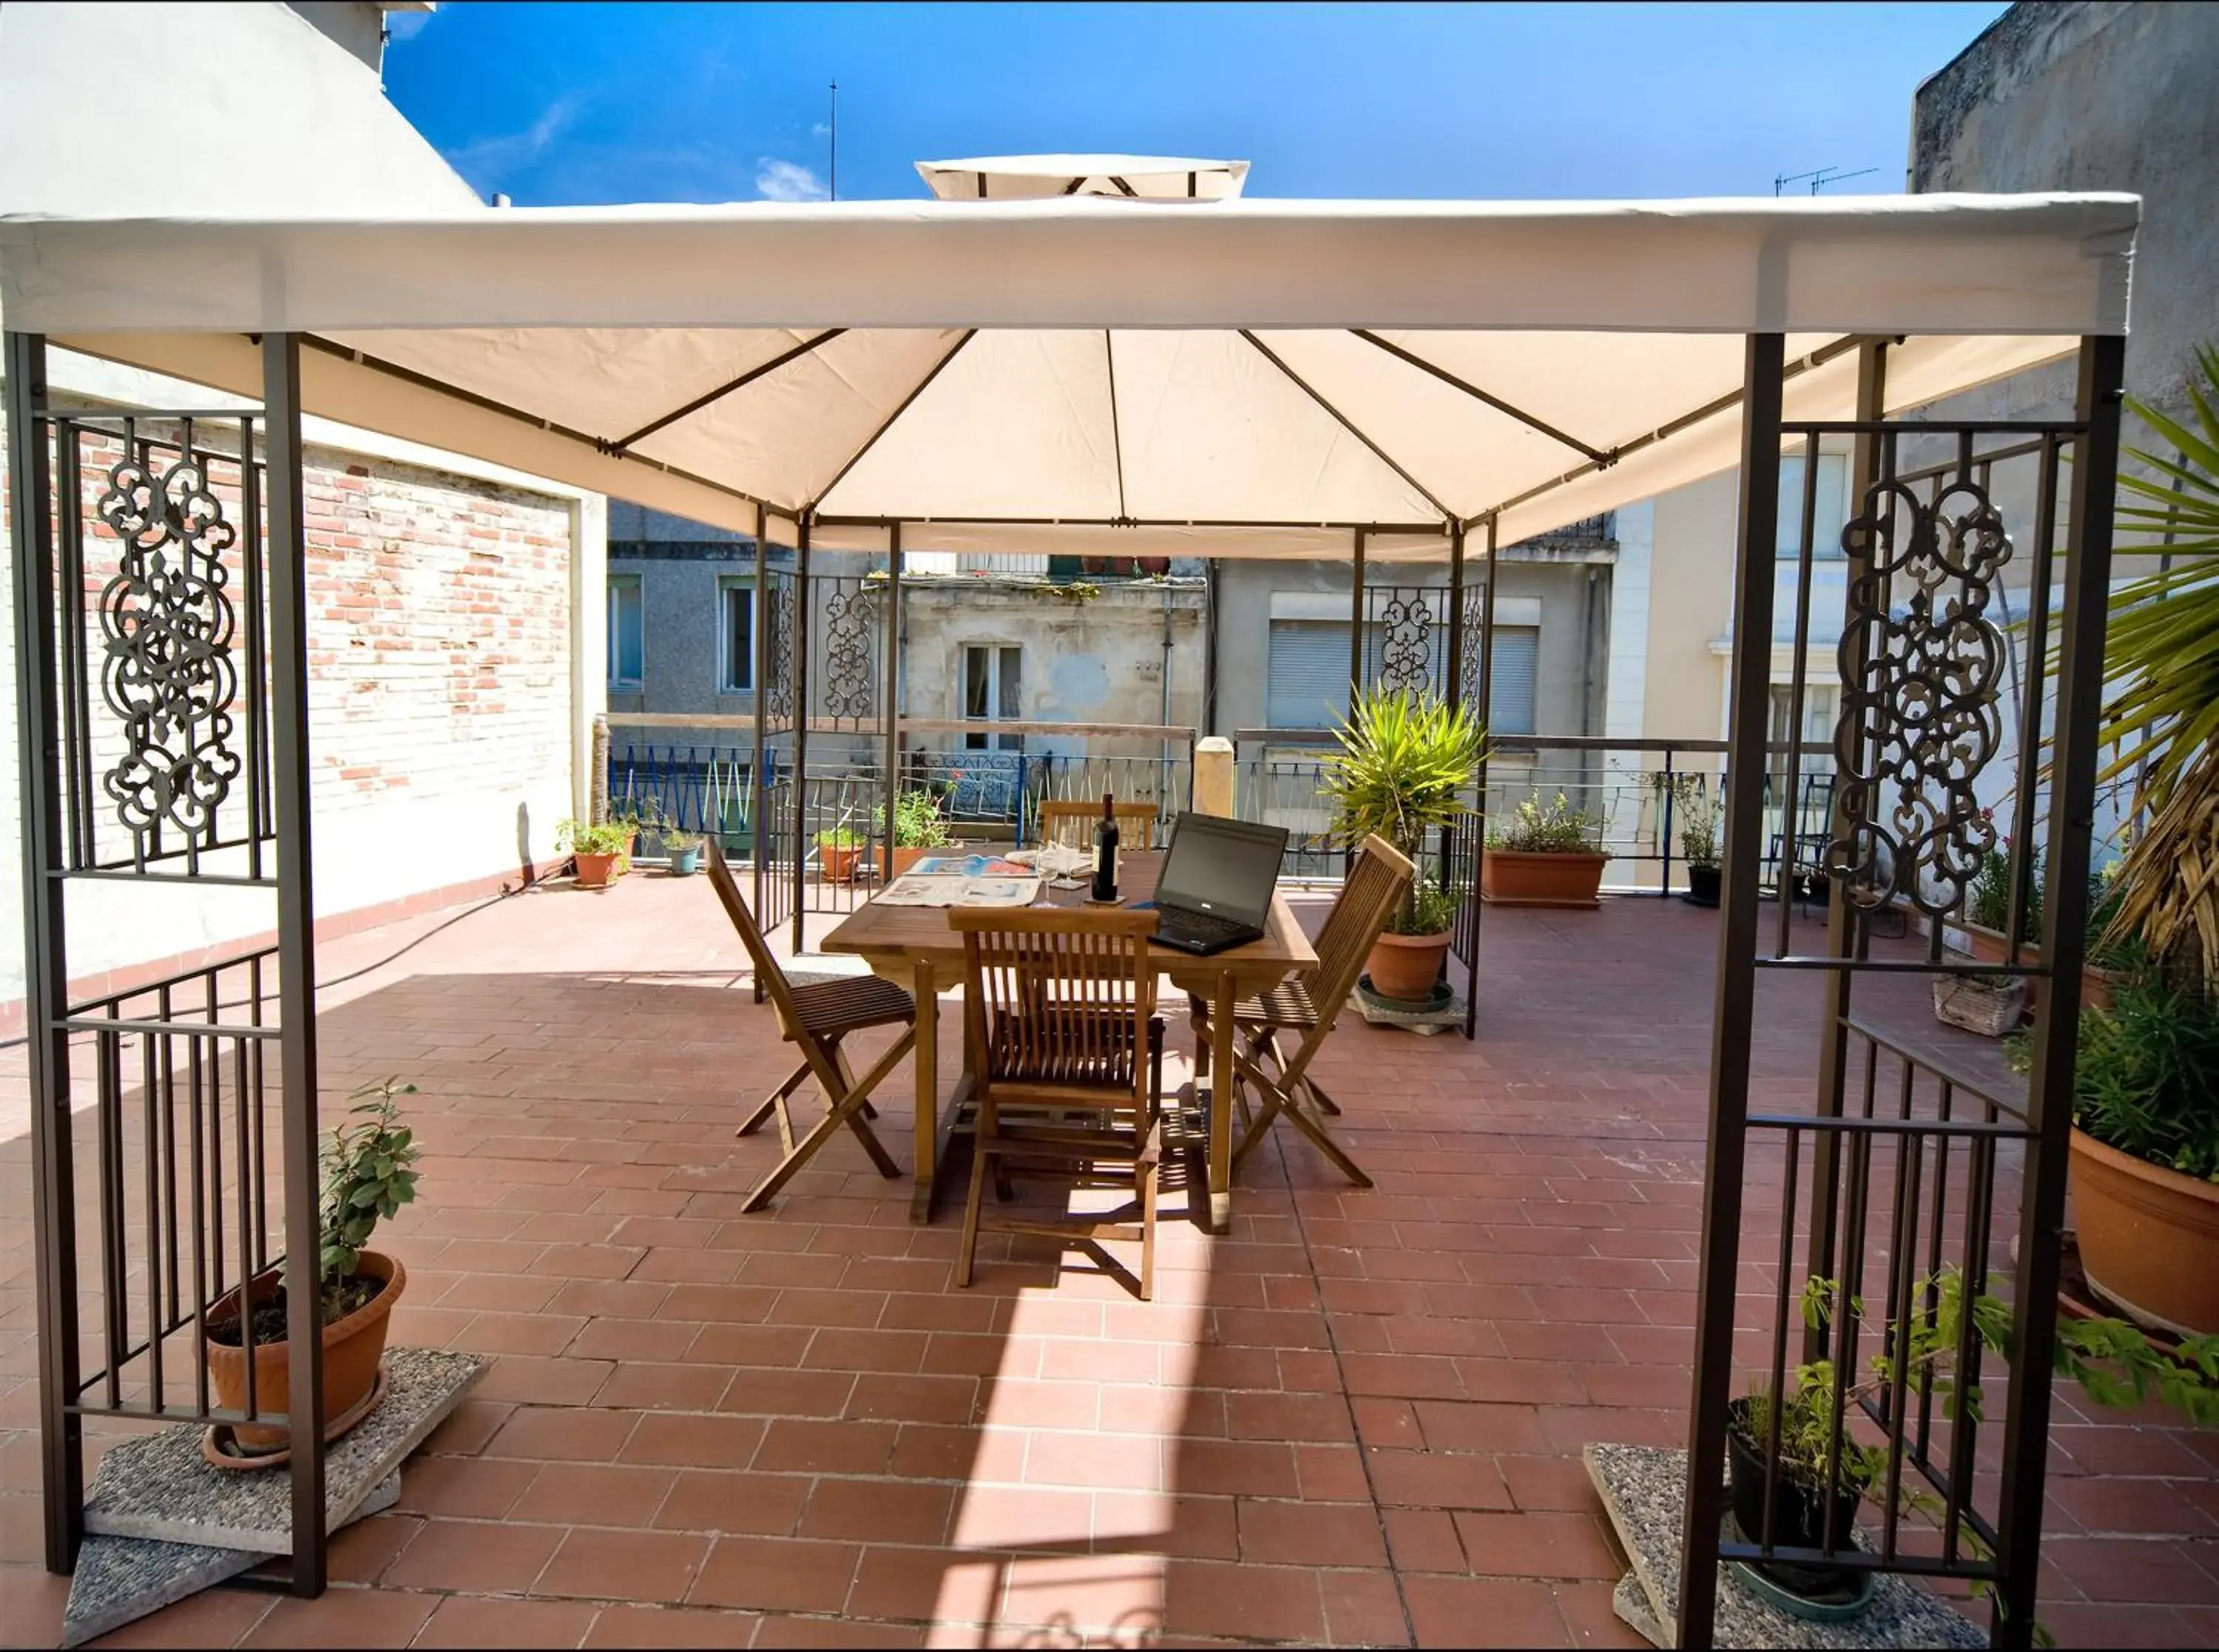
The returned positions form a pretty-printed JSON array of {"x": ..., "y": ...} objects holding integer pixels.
[{"x": 1921, "y": 669}]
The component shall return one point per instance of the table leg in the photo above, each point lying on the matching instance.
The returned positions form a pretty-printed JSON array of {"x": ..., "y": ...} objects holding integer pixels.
[
  {"x": 927, "y": 1060},
  {"x": 1221, "y": 1072}
]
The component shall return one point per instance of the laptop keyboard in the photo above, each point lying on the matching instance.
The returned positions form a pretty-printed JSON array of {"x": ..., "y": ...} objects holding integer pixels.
[{"x": 1200, "y": 926}]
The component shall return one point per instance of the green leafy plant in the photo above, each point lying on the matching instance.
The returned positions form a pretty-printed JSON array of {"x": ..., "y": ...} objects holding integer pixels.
[
  {"x": 841, "y": 837},
  {"x": 368, "y": 1176},
  {"x": 1431, "y": 911},
  {"x": 1987, "y": 902},
  {"x": 2162, "y": 668},
  {"x": 2146, "y": 1077},
  {"x": 2113, "y": 1362},
  {"x": 590, "y": 837},
  {"x": 677, "y": 841},
  {"x": 1553, "y": 827},
  {"x": 918, "y": 824},
  {"x": 1694, "y": 815},
  {"x": 1404, "y": 767}
]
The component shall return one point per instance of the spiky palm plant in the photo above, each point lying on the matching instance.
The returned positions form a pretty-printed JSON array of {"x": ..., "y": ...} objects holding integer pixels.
[
  {"x": 1403, "y": 764},
  {"x": 2162, "y": 664}
]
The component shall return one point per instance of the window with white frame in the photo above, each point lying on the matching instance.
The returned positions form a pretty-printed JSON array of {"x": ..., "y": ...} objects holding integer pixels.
[
  {"x": 627, "y": 633},
  {"x": 993, "y": 687},
  {"x": 1829, "y": 516},
  {"x": 735, "y": 635}
]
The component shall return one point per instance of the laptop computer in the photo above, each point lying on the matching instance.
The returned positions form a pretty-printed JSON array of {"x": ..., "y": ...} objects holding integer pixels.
[{"x": 1215, "y": 888}]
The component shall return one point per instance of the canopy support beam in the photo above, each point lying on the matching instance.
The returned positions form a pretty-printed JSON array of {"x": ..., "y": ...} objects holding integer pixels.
[
  {"x": 1601, "y": 456},
  {"x": 1485, "y": 689},
  {"x": 1348, "y": 425},
  {"x": 891, "y": 687},
  {"x": 761, "y": 371}
]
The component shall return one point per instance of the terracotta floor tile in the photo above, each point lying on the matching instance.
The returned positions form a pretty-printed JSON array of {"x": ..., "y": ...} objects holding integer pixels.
[
  {"x": 1310, "y": 1534},
  {"x": 776, "y": 1574},
  {"x": 625, "y": 1565},
  {"x": 693, "y": 1441},
  {"x": 594, "y": 1494},
  {"x": 344, "y": 1618},
  {"x": 563, "y": 1434},
  {"x": 626, "y": 1627},
  {"x": 481, "y": 1557},
  {"x": 217, "y": 1617},
  {"x": 878, "y": 1511},
  {"x": 1464, "y": 1611},
  {"x": 463, "y": 1621},
  {"x": 791, "y": 1445},
  {"x": 1537, "y": 1545},
  {"x": 757, "y": 1505},
  {"x": 644, "y": 1386},
  {"x": 1247, "y": 1601}
]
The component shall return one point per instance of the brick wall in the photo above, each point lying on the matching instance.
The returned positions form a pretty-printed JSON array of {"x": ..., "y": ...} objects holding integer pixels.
[{"x": 440, "y": 716}]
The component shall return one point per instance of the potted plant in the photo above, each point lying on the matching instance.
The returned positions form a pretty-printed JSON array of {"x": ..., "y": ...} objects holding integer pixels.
[
  {"x": 2114, "y": 1363},
  {"x": 919, "y": 827},
  {"x": 839, "y": 850},
  {"x": 600, "y": 849},
  {"x": 366, "y": 1179},
  {"x": 1403, "y": 768},
  {"x": 1695, "y": 818},
  {"x": 1549, "y": 855},
  {"x": 685, "y": 851},
  {"x": 2145, "y": 1153}
]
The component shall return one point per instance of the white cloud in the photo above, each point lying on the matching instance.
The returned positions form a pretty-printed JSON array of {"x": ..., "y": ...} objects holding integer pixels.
[
  {"x": 488, "y": 161},
  {"x": 405, "y": 25},
  {"x": 784, "y": 180},
  {"x": 820, "y": 130}
]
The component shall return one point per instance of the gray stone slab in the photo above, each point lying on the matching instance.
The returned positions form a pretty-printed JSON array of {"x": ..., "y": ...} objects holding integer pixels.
[
  {"x": 120, "y": 1579},
  {"x": 1630, "y": 1602},
  {"x": 1644, "y": 1488},
  {"x": 161, "y": 1487},
  {"x": 1385, "y": 1012}
]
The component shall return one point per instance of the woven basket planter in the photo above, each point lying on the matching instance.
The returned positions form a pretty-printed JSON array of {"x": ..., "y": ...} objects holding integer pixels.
[{"x": 1990, "y": 1005}]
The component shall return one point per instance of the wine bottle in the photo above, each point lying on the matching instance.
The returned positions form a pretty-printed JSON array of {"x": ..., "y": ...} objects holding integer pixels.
[{"x": 1105, "y": 851}]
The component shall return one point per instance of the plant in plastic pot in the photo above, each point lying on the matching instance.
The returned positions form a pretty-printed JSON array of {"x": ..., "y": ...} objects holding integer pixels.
[
  {"x": 1695, "y": 821},
  {"x": 1403, "y": 768},
  {"x": 1545, "y": 854},
  {"x": 685, "y": 851},
  {"x": 368, "y": 1175}
]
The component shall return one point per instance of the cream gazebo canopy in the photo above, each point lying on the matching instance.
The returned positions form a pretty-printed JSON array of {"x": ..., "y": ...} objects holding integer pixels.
[{"x": 1084, "y": 372}]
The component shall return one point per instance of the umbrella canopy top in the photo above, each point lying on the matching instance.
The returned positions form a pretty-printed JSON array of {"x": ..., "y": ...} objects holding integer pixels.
[
  {"x": 1030, "y": 178},
  {"x": 1216, "y": 377}
]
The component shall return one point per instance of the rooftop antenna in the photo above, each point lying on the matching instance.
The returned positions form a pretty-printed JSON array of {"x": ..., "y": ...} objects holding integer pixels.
[
  {"x": 832, "y": 179},
  {"x": 1820, "y": 179}
]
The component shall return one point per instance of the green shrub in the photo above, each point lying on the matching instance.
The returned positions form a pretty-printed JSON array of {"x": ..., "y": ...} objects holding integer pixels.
[{"x": 1556, "y": 828}]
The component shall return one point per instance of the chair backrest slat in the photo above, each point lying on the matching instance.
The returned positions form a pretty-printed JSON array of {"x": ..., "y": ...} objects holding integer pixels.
[
  {"x": 1376, "y": 885},
  {"x": 751, "y": 936},
  {"x": 1071, "y": 820},
  {"x": 1055, "y": 996}
]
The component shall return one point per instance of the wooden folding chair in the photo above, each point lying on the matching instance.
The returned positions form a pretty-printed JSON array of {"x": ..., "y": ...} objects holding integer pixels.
[
  {"x": 1306, "y": 1006},
  {"x": 815, "y": 1019},
  {"x": 1071, "y": 820},
  {"x": 1060, "y": 1006}
]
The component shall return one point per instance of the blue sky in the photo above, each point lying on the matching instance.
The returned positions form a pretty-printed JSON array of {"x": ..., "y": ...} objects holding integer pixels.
[{"x": 560, "y": 104}]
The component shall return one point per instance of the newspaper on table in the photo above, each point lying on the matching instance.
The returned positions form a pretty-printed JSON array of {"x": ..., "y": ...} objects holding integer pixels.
[{"x": 963, "y": 880}]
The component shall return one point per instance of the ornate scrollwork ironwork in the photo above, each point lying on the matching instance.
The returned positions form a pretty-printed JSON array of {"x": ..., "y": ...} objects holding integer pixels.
[
  {"x": 778, "y": 677},
  {"x": 167, "y": 623},
  {"x": 1405, "y": 643},
  {"x": 1468, "y": 684},
  {"x": 1920, "y": 719},
  {"x": 850, "y": 627}
]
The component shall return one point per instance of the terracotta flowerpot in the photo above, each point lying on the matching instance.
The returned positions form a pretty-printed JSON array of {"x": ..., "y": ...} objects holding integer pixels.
[
  {"x": 1405, "y": 966},
  {"x": 839, "y": 864},
  {"x": 2149, "y": 1237},
  {"x": 599, "y": 871},
  {"x": 1514, "y": 877},
  {"x": 352, "y": 1348},
  {"x": 905, "y": 858}
]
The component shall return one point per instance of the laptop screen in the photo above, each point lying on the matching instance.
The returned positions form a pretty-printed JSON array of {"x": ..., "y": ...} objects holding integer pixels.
[{"x": 1226, "y": 867}]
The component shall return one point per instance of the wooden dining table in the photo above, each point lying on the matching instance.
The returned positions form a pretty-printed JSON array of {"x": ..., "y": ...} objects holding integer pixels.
[{"x": 918, "y": 948}]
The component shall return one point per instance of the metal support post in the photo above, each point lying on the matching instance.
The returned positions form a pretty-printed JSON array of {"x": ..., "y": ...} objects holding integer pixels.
[
  {"x": 46, "y": 954},
  {"x": 1846, "y": 928},
  {"x": 287, "y": 537},
  {"x": 1486, "y": 714},
  {"x": 1732, "y": 1024},
  {"x": 2057, "y": 1017},
  {"x": 892, "y": 777},
  {"x": 802, "y": 619}
]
